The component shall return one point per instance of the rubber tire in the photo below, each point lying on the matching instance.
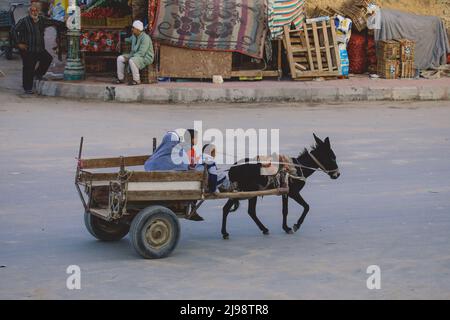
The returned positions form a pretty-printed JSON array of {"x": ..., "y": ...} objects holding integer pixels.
[
  {"x": 141, "y": 222},
  {"x": 105, "y": 230}
]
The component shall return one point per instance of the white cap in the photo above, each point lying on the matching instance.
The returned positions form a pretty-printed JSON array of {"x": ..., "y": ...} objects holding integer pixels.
[{"x": 138, "y": 25}]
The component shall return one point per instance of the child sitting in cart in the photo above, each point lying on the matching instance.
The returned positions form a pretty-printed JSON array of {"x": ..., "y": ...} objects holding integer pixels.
[
  {"x": 190, "y": 139},
  {"x": 217, "y": 180}
]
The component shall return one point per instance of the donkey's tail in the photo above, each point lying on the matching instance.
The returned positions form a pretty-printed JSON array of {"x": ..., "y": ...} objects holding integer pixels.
[{"x": 235, "y": 205}]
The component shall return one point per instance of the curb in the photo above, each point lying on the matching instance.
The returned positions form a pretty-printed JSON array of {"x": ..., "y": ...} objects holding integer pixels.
[{"x": 162, "y": 94}]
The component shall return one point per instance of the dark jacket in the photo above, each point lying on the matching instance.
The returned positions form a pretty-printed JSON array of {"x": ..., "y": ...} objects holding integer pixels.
[{"x": 30, "y": 33}]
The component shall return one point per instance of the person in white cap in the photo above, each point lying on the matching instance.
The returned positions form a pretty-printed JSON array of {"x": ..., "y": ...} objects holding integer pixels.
[{"x": 141, "y": 54}]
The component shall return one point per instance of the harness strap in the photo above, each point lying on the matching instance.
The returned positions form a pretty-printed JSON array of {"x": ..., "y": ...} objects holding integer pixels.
[{"x": 320, "y": 164}]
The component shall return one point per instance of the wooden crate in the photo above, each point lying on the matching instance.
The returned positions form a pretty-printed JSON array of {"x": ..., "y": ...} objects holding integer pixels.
[
  {"x": 357, "y": 11},
  {"x": 388, "y": 69},
  {"x": 407, "y": 70},
  {"x": 388, "y": 50},
  {"x": 407, "y": 49},
  {"x": 313, "y": 51}
]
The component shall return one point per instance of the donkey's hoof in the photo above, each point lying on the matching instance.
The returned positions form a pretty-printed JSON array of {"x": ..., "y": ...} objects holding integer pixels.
[
  {"x": 296, "y": 227},
  {"x": 226, "y": 236},
  {"x": 266, "y": 232},
  {"x": 289, "y": 231}
]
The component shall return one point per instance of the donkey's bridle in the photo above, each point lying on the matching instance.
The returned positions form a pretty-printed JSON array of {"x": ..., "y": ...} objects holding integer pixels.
[
  {"x": 301, "y": 167},
  {"x": 321, "y": 166}
]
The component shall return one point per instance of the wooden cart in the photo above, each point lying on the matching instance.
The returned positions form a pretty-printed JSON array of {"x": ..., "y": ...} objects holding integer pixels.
[{"x": 145, "y": 204}]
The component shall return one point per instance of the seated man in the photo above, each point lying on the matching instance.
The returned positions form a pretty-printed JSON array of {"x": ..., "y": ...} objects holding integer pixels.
[{"x": 141, "y": 54}]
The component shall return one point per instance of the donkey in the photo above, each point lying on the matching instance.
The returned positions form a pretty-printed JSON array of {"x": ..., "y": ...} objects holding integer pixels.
[{"x": 248, "y": 177}]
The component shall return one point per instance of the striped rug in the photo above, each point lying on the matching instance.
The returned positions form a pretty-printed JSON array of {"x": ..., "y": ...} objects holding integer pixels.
[{"x": 284, "y": 12}]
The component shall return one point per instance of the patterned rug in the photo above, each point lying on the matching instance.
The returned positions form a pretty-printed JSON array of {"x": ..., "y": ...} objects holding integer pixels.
[{"x": 223, "y": 25}]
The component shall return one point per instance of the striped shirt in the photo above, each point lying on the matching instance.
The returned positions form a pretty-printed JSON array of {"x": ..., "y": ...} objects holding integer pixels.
[{"x": 32, "y": 33}]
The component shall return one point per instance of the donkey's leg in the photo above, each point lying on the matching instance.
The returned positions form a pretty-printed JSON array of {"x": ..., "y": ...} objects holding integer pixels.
[
  {"x": 285, "y": 214},
  {"x": 252, "y": 214},
  {"x": 225, "y": 212},
  {"x": 298, "y": 198}
]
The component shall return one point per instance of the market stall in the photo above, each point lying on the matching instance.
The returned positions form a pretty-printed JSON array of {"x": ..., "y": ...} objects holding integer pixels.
[
  {"x": 104, "y": 26},
  {"x": 250, "y": 40}
]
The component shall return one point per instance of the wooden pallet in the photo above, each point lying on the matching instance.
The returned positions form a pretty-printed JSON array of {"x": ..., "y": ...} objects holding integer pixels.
[{"x": 312, "y": 51}]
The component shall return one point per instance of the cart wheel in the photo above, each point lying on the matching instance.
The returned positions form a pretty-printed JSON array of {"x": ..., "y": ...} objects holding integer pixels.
[
  {"x": 105, "y": 230},
  {"x": 155, "y": 232}
]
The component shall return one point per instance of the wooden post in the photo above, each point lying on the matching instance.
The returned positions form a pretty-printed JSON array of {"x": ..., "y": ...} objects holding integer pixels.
[
  {"x": 317, "y": 46},
  {"x": 280, "y": 48}
]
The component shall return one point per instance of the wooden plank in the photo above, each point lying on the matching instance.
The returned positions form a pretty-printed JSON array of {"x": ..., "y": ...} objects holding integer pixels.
[
  {"x": 165, "y": 185},
  {"x": 300, "y": 67},
  {"x": 308, "y": 47},
  {"x": 279, "y": 58},
  {"x": 327, "y": 46},
  {"x": 88, "y": 176},
  {"x": 142, "y": 176},
  {"x": 287, "y": 45},
  {"x": 317, "y": 74},
  {"x": 255, "y": 73},
  {"x": 113, "y": 162},
  {"x": 298, "y": 49},
  {"x": 246, "y": 195},
  {"x": 317, "y": 46},
  {"x": 162, "y": 176},
  {"x": 163, "y": 195},
  {"x": 187, "y": 63},
  {"x": 336, "y": 49}
]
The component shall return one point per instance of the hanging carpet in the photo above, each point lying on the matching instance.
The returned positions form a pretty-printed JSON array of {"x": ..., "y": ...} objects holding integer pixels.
[{"x": 223, "y": 25}]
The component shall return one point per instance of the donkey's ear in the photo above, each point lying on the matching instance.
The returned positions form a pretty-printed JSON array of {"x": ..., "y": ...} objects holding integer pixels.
[
  {"x": 318, "y": 141},
  {"x": 327, "y": 141}
]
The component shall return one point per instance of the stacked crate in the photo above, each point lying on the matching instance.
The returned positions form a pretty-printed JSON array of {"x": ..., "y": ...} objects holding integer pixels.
[
  {"x": 396, "y": 59},
  {"x": 388, "y": 55},
  {"x": 407, "y": 53}
]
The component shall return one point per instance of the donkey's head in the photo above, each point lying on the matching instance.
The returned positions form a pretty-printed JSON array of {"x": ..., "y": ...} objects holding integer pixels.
[{"x": 325, "y": 158}]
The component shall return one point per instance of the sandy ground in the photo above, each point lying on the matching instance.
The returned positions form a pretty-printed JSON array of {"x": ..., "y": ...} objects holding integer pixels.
[{"x": 389, "y": 208}]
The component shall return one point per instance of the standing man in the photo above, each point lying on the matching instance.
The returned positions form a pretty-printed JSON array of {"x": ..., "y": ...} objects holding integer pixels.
[
  {"x": 29, "y": 33},
  {"x": 141, "y": 54}
]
